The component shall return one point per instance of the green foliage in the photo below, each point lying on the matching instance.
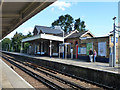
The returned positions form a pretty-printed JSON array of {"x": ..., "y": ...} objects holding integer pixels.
[
  {"x": 79, "y": 25},
  {"x": 15, "y": 43},
  {"x": 28, "y": 35},
  {"x": 26, "y": 46},
  {"x": 6, "y": 44},
  {"x": 66, "y": 21}
]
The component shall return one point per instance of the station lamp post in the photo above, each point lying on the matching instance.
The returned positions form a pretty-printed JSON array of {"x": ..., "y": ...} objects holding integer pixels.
[{"x": 114, "y": 43}]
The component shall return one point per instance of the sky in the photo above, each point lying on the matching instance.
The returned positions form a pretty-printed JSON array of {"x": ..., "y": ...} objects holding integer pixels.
[{"x": 97, "y": 16}]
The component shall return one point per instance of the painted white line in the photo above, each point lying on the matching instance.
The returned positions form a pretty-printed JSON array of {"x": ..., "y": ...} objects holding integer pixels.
[{"x": 18, "y": 75}]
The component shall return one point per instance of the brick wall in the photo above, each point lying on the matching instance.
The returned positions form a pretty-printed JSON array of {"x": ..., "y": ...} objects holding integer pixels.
[
  {"x": 73, "y": 42},
  {"x": 95, "y": 41}
]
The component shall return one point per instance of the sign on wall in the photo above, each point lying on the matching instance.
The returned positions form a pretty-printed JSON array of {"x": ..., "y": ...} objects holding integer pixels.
[
  {"x": 81, "y": 50},
  {"x": 112, "y": 39},
  {"x": 102, "y": 48},
  {"x": 89, "y": 46}
]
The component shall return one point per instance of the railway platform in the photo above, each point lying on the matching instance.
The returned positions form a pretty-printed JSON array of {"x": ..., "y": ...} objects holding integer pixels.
[
  {"x": 10, "y": 79},
  {"x": 75, "y": 62},
  {"x": 97, "y": 72}
]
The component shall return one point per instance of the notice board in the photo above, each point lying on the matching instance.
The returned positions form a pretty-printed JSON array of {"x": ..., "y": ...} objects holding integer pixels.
[
  {"x": 102, "y": 48},
  {"x": 89, "y": 46}
]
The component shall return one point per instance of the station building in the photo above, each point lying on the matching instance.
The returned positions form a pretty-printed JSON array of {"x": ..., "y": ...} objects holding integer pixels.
[
  {"x": 82, "y": 43},
  {"x": 44, "y": 41},
  {"x": 47, "y": 41}
]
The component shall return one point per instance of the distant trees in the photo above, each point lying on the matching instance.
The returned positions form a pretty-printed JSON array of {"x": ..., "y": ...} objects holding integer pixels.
[
  {"x": 66, "y": 22},
  {"x": 6, "y": 44},
  {"x": 15, "y": 43}
]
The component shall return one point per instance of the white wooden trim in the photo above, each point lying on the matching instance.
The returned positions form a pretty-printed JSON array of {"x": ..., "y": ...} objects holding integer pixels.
[
  {"x": 44, "y": 36},
  {"x": 71, "y": 33},
  {"x": 31, "y": 38},
  {"x": 52, "y": 37},
  {"x": 86, "y": 33}
]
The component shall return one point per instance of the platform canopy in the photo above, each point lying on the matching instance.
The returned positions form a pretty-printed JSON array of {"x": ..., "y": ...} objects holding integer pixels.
[
  {"x": 43, "y": 36},
  {"x": 16, "y": 13}
]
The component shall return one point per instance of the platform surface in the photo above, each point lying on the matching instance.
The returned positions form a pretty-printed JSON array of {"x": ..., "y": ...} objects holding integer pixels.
[
  {"x": 93, "y": 65},
  {"x": 10, "y": 79}
]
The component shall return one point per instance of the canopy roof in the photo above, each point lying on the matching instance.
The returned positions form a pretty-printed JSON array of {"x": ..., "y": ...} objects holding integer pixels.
[
  {"x": 43, "y": 36},
  {"x": 16, "y": 13},
  {"x": 47, "y": 30}
]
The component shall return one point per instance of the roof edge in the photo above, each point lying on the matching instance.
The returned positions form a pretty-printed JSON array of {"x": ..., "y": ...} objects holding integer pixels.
[
  {"x": 86, "y": 33},
  {"x": 71, "y": 33}
]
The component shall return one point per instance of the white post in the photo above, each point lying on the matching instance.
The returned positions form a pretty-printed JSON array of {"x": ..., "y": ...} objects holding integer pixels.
[
  {"x": 65, "y": 51},
  {"x": 12, "y": 47},
  {"x": 59, "y": 51},
  {"x": 63, "y": 44},
  {"x": 38, "y": 48},
  {"x": 30, "y": 52},
  {"x": 9, "y": 47},
  {"x": 21, "y": 47},
  {"x": 50, "y": 48},
  {"x": 114, "y": 47},
  {"x": 34, "y": 48},
  {"x": 71, "y": 53},
  {"x": 41, "y": 48}
]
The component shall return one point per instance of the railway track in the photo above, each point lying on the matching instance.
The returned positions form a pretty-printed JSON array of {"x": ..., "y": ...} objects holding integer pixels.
[
  {"x": 51, "y": 73},
  {"x": 47, "y": 82}
]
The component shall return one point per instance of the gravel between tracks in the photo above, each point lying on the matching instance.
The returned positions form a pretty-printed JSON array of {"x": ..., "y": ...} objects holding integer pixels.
[
  {"x": 77, "y": 81},
  {"x": 36, "y": 84}
]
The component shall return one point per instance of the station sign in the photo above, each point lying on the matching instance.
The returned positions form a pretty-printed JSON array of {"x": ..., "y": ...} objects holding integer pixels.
[{"x": 112, "y": 40}]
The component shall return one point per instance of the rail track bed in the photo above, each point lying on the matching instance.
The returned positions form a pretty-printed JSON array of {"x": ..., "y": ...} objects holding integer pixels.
[{"x": 49, "y": 78}]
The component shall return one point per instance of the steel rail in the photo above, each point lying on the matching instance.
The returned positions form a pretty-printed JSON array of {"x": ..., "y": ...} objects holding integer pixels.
[
  {"x": 79, "y": 78},
  {"x": 36, "y": 76},
  {"x": 73, "y": 85}
]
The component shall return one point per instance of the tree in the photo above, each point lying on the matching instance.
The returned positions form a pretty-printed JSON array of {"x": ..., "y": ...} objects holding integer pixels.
[
  {"x": 28, "y": 35},
  {"x": 16, "y": 41},
  {"x": 83, "y": 26},
  {"x": 65, "y": 22},
  {"x": 6, "y": 44},
  {"x": 79, "y": 25},
  {"x": 26, "y": 45}
]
